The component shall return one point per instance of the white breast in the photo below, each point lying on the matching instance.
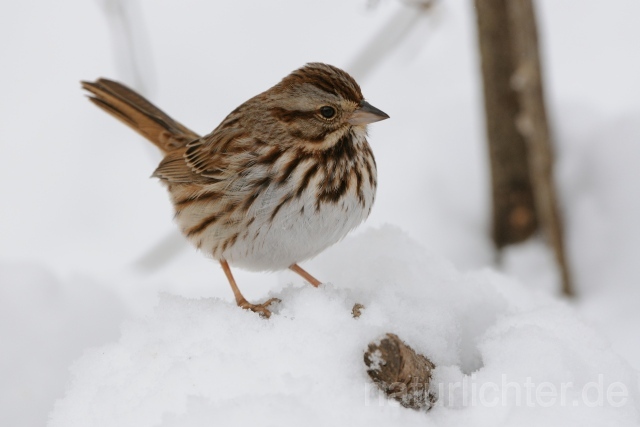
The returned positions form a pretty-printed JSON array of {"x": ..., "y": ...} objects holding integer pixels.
[{"x": 302, "y": 228}]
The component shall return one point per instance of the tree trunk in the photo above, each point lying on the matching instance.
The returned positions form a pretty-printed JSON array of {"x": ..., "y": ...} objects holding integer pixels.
[
  {"x": 514, "y": 214},
  {"x": 532, "y": 124},
  {"x": 519, "y": 140}
]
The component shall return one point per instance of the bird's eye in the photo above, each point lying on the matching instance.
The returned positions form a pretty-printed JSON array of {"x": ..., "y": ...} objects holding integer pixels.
[{"x": 327, "y": 112}]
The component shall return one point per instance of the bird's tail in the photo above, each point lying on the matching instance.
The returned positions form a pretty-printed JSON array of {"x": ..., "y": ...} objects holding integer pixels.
[{"x": 142, "y": 116}]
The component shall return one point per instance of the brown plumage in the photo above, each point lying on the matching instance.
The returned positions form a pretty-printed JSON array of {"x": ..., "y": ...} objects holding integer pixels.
[{"x": 285, "y": 175}]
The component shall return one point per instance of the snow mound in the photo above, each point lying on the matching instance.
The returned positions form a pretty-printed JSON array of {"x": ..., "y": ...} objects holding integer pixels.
[{"x": 501, "y": 352}]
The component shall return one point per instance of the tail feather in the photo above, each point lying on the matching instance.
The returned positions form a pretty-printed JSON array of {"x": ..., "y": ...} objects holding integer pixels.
[{"x": 139, "y": 114}]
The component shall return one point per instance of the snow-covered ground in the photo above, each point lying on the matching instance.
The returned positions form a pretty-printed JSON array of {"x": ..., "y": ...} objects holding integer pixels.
[{"x": 161, "y": 343}]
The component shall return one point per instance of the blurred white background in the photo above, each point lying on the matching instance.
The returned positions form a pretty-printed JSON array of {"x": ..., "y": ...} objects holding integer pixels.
[{"x": 79, "y": 215}]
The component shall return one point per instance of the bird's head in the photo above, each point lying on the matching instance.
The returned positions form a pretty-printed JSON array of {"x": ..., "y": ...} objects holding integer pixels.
[{"x": 318, "y": 104}]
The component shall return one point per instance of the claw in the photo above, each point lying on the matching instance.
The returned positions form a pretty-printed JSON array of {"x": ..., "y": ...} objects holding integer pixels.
[{"x": 261, "y": 309}]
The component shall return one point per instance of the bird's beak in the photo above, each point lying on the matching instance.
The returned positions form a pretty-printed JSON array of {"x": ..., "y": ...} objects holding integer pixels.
[{"x": 366, "y": 114}]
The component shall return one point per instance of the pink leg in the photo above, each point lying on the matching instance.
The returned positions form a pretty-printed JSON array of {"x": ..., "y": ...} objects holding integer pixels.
[
  {"x": 241, "y": 300},
  {"x": 306, "y": 276}
]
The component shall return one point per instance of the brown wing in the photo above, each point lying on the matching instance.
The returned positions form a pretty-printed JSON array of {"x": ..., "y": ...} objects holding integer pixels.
[
  {"x": 212, "y": 155},
  {"x": 174, "y": 168},
  {"x": 216, "y": 157}
]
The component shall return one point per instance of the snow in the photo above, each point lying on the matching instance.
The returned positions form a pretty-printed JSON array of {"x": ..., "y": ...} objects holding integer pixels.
[
  {"x": 45, "y": 324},
  {"x": 194, "y": 361},
  {"x": 156, "y": 340}
]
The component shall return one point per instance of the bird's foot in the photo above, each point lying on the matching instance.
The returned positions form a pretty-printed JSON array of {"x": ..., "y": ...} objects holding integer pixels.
[{"x": 261, "y": 309}]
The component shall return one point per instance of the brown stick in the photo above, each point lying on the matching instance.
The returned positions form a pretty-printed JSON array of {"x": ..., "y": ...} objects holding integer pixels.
[
  {"x": 517, "y": 128},
  {"x": 532, "y": 124},
  {"x": 514, "y": 213},
  {"x": 400, "y": 372}
]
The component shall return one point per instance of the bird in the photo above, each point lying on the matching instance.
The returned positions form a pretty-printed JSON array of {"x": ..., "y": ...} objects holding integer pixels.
[{"x": 284, "y": 176}]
